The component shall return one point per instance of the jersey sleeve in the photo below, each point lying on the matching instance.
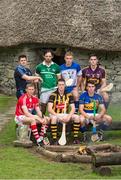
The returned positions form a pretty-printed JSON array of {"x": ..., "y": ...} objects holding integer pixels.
[
  {"x": 51, "y": 98},
  {"x": 103, "y": 73},
  {"x": 36, "y": 102},
  {"x": 100, "y": 99},
  {"x": 81, "y": 99},
  {"x": 37, "y": 70},
  {"x": 19, "y": 72},
  {"x": 83, "y": 73},
  {"x": 79, "y": 71},
  {"x": 71, "y": 99}
]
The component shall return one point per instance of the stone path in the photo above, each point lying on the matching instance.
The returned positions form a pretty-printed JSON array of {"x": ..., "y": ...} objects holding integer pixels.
[{"x": 5, "y": 117}]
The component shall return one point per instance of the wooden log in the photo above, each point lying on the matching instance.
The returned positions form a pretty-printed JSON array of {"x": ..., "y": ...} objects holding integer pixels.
[
  {"x": 56, "y": 148},
  {"x": 49, "y": 154},
  {"x": 102, "y": 159},
  {"x": 99, "y": 148},
  {"x": 26, "y": 144},
  {"x": 102, "y": 170},
  {"x": 75, "y": 158}
]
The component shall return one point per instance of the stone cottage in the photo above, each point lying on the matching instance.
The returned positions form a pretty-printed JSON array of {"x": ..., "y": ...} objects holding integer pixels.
[{"x": 84, "y": 26}]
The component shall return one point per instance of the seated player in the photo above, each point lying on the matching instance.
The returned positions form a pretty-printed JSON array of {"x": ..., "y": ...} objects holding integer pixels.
[
  {"x": 72, "y": 74},
  {"x": 86, "y": 108},
  {"x": 58, "y": 108},
  {"x": 23, "y": 115}
]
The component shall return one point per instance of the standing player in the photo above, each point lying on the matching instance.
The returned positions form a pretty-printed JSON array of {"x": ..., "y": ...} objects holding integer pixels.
[
  {"x": 50, "y": 73},
  {"x": 23, "y": 75},
  {"x": 23, "y": 115},
  {"x": 72, "y": 74},
  {"x": 96, "y": 74},
  {"x": 86, "y": 108},
  {"x": 58, "y": 107}
]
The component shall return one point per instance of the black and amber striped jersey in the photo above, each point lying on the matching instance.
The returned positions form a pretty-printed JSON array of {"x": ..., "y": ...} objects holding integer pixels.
[{"x": 61, "y": 103}]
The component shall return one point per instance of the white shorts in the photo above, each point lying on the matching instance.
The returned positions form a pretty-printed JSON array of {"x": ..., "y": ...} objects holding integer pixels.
[
  {"x": 61, "y": 115},
  {"x": 19, "y": 119},
  {"x": 44, "y": 97},
  {"x": 89, "y": 120}
]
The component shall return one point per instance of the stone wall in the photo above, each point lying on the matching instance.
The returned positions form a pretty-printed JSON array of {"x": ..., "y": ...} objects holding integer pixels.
[{"x": 9, "y": 57}]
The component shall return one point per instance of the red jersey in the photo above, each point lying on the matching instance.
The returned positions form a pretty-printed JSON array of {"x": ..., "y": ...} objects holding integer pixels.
[
  {"x": 96, "y": 76},
  {"x": 29, "y": 102}
]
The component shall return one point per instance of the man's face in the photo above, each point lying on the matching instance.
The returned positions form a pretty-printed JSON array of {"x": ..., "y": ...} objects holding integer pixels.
[
  {"x": 23, "y": 61},
  {"x": 90, "y": 88},
  {"x": 61, "y": 86},
  {"x": 68, "y": 60},
  {"x": 30, "y": 90},
  {"x": 48, "y": 57},
  {"x": 93, "y": 60}
]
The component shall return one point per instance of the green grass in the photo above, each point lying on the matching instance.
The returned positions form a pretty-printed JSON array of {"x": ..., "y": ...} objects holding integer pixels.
[
  {"x": 115, "y": 111},
  {"x": 6, "y": 102},
  {"x": 19, "y": 163}
]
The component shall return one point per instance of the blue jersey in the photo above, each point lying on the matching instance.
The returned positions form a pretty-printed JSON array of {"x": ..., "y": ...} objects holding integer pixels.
[
  {"x": 70, "y": 72},
  {"x": 88, "y": 101},
  {"x": 19, "y": 72}
]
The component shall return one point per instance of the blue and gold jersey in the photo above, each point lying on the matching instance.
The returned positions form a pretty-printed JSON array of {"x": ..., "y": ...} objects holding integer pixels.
[{"x": 88, "y": 101}]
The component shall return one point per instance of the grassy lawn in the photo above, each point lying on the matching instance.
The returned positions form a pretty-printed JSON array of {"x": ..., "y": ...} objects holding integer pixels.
[
  {"x": 5, "y": 102},
  {"x": 19, "y": 163}
]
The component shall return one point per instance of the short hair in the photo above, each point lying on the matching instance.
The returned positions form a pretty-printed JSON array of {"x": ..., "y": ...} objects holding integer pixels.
[
  {"x": 30, "y": 85},
  {"x": 22, "y": 56},
  {"x": 69, "y": 53},
  {"x": 61, "y": 80},
  {"x": 93, "y": 55},
  {"x": 90, "y": 82},
  {"x": 48, "y": 51}
]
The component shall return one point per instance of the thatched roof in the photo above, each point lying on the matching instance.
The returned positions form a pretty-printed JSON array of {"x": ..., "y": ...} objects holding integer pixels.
[{"x": 90, "y": 24}]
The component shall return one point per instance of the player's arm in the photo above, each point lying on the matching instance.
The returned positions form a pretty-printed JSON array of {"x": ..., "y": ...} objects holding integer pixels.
[
  {"x": 79, "y": 76},
  {"x": 30, "y": 78},
  {"x": 50, "y": 108},
  {"x": 103, "y": 83},
  {"x": 39, "y": 113},
  {"x": 101, "y": 113},
  {"x": 59, "y": 76},
  {"x": 26, "y": 112},
  {"x": 79, "y": 80},
  {"x": 83, "y": 84},
  {"x": 72, "y": 111},
  {"x": 83, "y": 113}
]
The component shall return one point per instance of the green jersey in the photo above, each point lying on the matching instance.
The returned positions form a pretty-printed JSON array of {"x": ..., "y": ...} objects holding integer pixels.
[{"x": 49, "y": 74}]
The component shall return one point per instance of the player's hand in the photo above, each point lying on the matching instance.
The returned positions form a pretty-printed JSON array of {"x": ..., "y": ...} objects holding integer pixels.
[
  {"x": 98, "y": 117},
  {"x": 66, "y": 118},
  {"x": 91, "y": 117}
]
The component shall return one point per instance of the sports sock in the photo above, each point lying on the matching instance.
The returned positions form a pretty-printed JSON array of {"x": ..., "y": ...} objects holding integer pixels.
[
  {"x": 43, "y": 131},
  {"x": 103, "y": 126},
  {"x": 76, "y": 106},
  {"x": 54, "y": 131},
  {"x": 35, "y": 132},
  {"x": 83, "y": 129},
  {"x": 76, "y": 127}
]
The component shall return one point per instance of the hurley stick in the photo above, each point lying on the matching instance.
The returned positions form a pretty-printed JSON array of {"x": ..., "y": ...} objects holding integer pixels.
[
  {"x": 94, "y": 136},
  {"x": 62, "y": 140}
]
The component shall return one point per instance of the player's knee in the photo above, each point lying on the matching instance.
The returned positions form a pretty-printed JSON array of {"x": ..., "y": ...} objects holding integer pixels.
[{"x": 53, "y": 120}]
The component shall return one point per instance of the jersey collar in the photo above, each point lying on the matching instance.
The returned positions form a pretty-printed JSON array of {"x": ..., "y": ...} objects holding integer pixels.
[{"x": 44, "y": 63}]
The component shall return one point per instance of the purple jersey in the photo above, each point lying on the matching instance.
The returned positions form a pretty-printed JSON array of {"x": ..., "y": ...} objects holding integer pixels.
[{"x": 96, "y": 76}]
